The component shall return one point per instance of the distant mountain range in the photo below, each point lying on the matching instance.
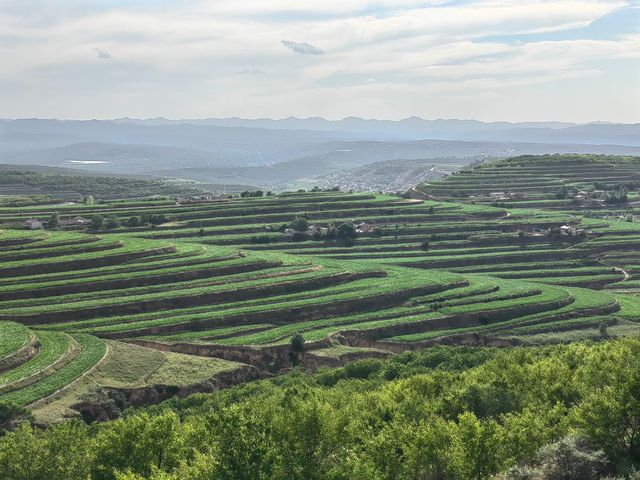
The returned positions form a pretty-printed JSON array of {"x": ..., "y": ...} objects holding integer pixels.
[
  {"x": 415, "y": 128},
  {"x": 276, "y": 153}
]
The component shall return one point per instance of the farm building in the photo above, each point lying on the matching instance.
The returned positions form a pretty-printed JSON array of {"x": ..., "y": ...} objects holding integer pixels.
[
  {"x": 33, "y": 224},
  {"x": 365, "y": 227},
  {"x": 201, "y": 199},
  {"x": 75, "y": 221}
]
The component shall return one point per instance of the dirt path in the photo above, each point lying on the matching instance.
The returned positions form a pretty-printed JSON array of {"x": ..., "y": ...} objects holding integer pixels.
[{"x": 626, "y": 274}]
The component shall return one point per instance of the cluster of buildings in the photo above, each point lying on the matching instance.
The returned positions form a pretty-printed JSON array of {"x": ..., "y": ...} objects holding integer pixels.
[
  {"x": 568, "y": 230},
  {"x": 497, "y": 196},
  {"x": 37, "y": 224},
  {"x": 599, "y": 195},
  {"x": 311, "y": 231},
  {"x": 209, "y": 197}
]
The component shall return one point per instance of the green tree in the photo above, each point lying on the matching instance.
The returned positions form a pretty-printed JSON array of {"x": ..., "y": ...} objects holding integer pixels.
[
  {"x": 111, "y": 222},
  {"x": 157, "y": 219},
  {"x": 611, "y": 417},
  {"x": 563, "y": 192},
  {"x": 140, "y": 444},
  {"x": 88, "y": 200},
  {"x": 347, "y": 232},
  {"x": 54, "y": 221},
  {"x": 133, "y": 222},
  {"x": 11, "y": 415},
  {"x": 299, "y": 224},
  {"x": 299, "y": 430},
  {"x": 297, "y": 342},
  {"x": 61, "y": 452},
  {"x": 243, "y": 447},
  {"x": 97, "y": 222}
]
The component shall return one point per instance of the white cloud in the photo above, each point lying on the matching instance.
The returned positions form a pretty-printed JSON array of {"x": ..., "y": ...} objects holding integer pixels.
[{"x": 411, "y": 48}]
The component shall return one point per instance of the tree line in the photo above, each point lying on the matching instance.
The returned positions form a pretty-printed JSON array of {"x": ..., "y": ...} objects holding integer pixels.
[{"x": 558, "y": 412}]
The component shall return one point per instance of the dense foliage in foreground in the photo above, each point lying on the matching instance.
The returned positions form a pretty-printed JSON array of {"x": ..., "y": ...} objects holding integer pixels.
[{"x": 444, "y": 413}]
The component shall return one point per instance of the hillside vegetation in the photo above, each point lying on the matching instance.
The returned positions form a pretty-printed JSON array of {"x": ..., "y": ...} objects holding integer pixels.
[
  {"x": 67, "y": 183},
  {"x": 450, "y": 413}
]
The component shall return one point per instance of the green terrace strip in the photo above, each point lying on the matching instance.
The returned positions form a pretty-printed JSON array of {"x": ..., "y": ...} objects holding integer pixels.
[
  {"x": 193, "y": 311},
  {"x": 235, "y": 268},
  {"x": 48, "y": 240},
  {"x": 188, "y": 255},
  {"x": 183, "y": 289},
  {"x": 92, "y": 245},
  {"x": 583, "y": 303},
  {"x": 175, "y": 297},
  {"x": 14, "y": 336},
  {"x": 121, "y": 250},
  {"x": 321, "y": 329},
  {"x": 397, "y": 285},
  {"x": 56, "y": 350},
  {"x": 92, "y": 350}
]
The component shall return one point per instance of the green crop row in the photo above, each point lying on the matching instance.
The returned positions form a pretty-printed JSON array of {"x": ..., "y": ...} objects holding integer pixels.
[
  {"x": 53, "y": 346},
  {"x": 13, "y": 336},
  {"x": 92, "y": 349}
]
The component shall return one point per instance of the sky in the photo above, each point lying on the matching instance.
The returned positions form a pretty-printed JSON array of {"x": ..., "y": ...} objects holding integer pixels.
[{"x": 520, "y": 60}]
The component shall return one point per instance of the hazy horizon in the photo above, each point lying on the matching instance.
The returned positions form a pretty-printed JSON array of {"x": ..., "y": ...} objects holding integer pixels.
[{"x": 312, "y": 117}]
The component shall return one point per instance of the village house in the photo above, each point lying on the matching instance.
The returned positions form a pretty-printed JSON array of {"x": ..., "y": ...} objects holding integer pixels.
[
  {"x": 506, "y": 196},
  {"x": 365, "y": 227},
  {"x": 33, "y": 224},
  {"x": 209, "y": 197},
  {"x": 539, "y": 231},
  {"x": 316, "y": 230},
  {"x": 75, "y": 222},
  {"x": 568, "y": 230}
]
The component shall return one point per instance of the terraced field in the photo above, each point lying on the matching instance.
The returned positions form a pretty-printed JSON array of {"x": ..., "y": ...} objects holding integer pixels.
[
  {"x": 548, "y": 181},
  {"x": 214, "y": 295}
]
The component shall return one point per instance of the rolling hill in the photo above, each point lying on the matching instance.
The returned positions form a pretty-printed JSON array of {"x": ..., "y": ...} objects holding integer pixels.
[{"x": 215, "y": 295}]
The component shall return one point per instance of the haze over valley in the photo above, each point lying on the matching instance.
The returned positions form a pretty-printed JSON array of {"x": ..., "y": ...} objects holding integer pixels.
[{"x": 293, "y": 153}]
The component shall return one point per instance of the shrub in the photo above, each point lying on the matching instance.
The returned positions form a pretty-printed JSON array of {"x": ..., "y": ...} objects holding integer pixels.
[
  {"x": 299, "y": 237},
  {"x": 260, "y": 239},
  {"x": 363, "y": 368},
  {"x": 97, "y": 222},
  {"x": 11, "y": 415},
  {"x": 54, "y": 221},
  {"x": 111, "y": 222},
  {"x": 297, "y": 342},
  {"x": 346, "y": 232},
  {"x": 134, "y": 222},
  {"x": 300, "y": 224}
]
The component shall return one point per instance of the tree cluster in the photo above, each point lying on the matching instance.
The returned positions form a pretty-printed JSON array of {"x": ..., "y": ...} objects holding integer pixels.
[
  {"x": 447, "y": 413},
  {"x": 111, "y": 222},
  {"x": 252, "y": 193}
]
